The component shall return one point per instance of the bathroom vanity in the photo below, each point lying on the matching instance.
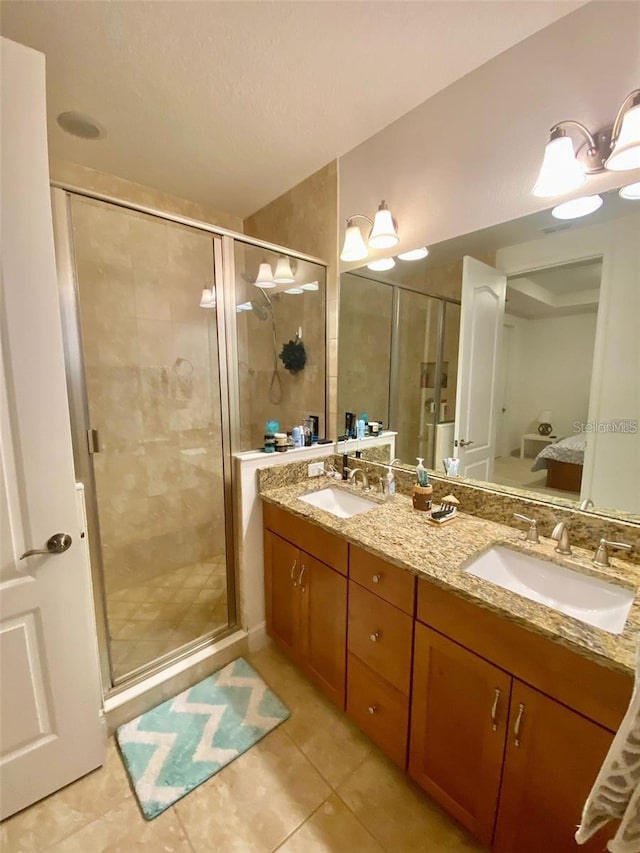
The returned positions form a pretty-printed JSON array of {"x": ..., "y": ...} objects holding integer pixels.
[{"x": 500, "y": 708}]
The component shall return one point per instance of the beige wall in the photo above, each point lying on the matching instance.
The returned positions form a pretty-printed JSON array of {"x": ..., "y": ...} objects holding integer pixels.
[
  {"x": 153, "y": 390},
  {"x": 100, "y": 182},
  {"x": 306, "y": 219}
]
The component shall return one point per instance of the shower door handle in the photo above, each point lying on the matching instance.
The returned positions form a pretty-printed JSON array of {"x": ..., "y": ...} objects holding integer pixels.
[{"x": 57, "y": 544}]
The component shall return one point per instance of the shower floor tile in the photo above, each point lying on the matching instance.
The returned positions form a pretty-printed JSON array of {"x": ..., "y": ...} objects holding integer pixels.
[{"x": 154, "y": 617}]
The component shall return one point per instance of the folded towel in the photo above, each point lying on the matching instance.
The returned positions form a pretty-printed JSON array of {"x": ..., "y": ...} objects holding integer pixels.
[{"x": 616, "y": 791}]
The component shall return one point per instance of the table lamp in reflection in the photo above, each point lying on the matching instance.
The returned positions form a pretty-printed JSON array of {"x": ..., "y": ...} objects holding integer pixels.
[{"x": 544, "y": 422}]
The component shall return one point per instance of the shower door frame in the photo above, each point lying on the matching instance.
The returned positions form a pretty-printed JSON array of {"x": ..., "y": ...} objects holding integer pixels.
[{"x": 224, "y": 277}]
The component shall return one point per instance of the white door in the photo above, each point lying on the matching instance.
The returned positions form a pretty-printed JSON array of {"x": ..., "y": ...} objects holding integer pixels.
[
  {"x": 504, "y": 361},
  {"x": 51, "y": 729},
  {"x": 482, "y": 315}
]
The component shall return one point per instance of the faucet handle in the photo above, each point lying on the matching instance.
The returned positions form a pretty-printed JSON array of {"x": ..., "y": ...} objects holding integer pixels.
[
  {"x": 532, "y": 533},
  {"x": 601, "y": 558}
]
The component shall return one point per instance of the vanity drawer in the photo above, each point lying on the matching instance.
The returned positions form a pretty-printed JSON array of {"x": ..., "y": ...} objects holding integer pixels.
[
  {"x": 381, "y": 636},
  {"x": 381, "y": 711},
  {"x": 395, "y": 585},
  {"x": 321, "y": 544}
]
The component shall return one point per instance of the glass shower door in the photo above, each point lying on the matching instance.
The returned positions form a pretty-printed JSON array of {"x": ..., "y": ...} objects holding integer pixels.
[{"x": 154, "y": 410}]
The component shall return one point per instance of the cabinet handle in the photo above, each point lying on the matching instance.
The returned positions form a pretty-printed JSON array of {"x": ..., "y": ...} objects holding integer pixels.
[
  {"x": 376, "y": 578},
  {"x": 293, "y": 571},
  {"x": 372, "y": 709},
  {"x": 494, "y": 711},
  {"x": 302, "y": 571},
  {"x": 375, "y": 636},
  {"x": 516, "y": 728}
]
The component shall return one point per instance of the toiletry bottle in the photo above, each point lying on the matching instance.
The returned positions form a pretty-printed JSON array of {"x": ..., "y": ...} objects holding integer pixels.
[
  {"x": 390, "y": 487},
  {"x": 421, "y": 472},
  {"x": 423, "y": 490},
  {"x": 296, "y": 434},
  {"x": 361, "y": 429}
]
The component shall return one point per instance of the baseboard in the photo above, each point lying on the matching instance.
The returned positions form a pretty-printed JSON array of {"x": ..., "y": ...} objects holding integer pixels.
[{"x": 257, "y": 637}]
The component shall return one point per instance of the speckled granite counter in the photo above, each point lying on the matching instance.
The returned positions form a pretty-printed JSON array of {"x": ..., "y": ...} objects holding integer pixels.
[{"x": 395, "y": 532}]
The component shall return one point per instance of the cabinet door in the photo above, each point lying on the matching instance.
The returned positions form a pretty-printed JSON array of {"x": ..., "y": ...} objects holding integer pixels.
[
  {"x": 458, "y": 728},
  {"x": 547, "y": 776},
  {"x": 323, "y": 594},
  {"x": 282, "y": 567}
]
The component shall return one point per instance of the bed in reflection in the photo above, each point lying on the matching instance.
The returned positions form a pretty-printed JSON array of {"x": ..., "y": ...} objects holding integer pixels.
[{"x": 563, "y": 461}]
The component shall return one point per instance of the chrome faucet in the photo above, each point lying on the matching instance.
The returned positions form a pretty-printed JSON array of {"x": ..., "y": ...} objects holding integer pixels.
[
  {"x": 353, "y": 477},
  {"x": 561, "y": 535},
  {"x": 532, "y": 532},
  {"x": 601, "y": 558}
]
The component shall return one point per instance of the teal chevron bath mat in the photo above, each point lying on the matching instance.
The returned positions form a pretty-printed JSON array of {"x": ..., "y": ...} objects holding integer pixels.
[{"x": 175, "y": 747}]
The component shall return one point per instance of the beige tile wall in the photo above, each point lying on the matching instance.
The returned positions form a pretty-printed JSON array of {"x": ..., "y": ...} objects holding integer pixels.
[
  {"x": 152, "y": 382},
  {"x": 306, "y": 219},
  {"x": 89, "y": 179}
]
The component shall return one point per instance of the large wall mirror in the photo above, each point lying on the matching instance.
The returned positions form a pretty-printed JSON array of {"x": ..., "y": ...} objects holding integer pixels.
[{"x": 515, "y": 350}]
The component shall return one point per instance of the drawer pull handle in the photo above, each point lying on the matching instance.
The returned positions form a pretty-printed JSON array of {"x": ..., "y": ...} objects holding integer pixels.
[
  {"x": 494, "y": 711},
  {"x": 375, "y": 636},
  {"x": 376, "y": 578},
  {"x": 293, "y": 571},
  {"x": 372, "y": 709},
  {"x": 302, "y": 571},
  {"x": 516, "y": 728}
]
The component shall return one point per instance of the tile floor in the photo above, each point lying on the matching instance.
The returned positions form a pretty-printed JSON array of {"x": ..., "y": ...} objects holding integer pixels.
[
  {"x": 314, "y": 785},
  {"x": 149, "y": 619},
  {"x": 516, "y": 473}
]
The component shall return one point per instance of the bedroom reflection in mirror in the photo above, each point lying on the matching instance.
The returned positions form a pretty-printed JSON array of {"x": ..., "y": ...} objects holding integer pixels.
[{"x": 548, "y": 343}]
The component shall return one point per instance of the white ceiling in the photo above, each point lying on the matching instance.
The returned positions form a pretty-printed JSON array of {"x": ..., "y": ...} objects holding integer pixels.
[
  {"x": 556, "y": 292},
  {"x": 232, "y": 103}
]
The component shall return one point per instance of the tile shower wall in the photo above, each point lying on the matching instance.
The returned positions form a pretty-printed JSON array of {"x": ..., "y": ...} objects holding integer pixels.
[{"x": 150, "y": 355}]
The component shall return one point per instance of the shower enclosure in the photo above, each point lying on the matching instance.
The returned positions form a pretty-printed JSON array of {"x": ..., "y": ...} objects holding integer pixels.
[{"x": 158, "y": 370}]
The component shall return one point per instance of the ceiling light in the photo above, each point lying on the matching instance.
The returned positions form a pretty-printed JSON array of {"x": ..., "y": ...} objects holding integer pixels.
[
  {"x": 625, "y": 137},
  {"x": 208, "y": 298},
  {"x": 80, "y": 125},
  {"x": 615, "y": 148},
  {"x": 631, "y": 191},
  {"x": 560, "y": 171},
  {"x": 414, "y": 254},
  {"x": 382, "y": 265},
  {"x": 294, "y": 290},
  {"x": 577, "y": 207},
  {"x": 265, "y": 276},
  {"x": 384, "y": 233},
  {"x": 312, "y": 285},
  {"x": 283, "y": 274}
]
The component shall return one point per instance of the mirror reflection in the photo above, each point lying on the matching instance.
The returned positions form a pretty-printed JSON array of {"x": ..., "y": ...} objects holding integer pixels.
[{"x": 512, "y": 351}]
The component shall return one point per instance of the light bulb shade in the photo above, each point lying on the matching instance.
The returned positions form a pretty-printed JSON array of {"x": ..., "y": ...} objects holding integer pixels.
[
  {"x": 265, "y": 276},
  {"x": 545, "y": 417},
  {"x": 577, "y": 207},
  {"x": 560, "y": 172},
  {"x": 311, "y": 285},
  {"x": 354, "y": 248},
  {"x": 383, "y": 234},
  {"x": 208, "y": 298},
  {"x": 626, "y": 151},
  {"x": 283, "y": 274},
  {"x": 631, "y": 191},
  {"x": 414, "y": 254},
  {"x": 382, "y": 265},
  {"x": 294, "y": 290}
]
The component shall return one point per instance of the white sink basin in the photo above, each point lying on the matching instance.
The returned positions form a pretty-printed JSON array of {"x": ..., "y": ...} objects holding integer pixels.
[
  {"x": 338, "y": 502},
  {"x": 596, "y": 602}
]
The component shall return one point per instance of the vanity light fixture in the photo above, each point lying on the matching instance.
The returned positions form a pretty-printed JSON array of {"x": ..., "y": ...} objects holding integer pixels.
[
  {"x": 265, "y": 276},
  {"x": 414, "y": 254},
  {"x": 283, "y": 274},
  {"x": 383, "y": 234},
  {"x": 208, "y": 298},
  {"x": 294, "y": 290},
  {"x": 616, "y": 149},
  {"x": 577, "y": 207},
  {"x": 631, "y": 191},
  {"x": 244, "y": 306},
  {"x": 311, "y": 285},
  {"x": 382, "y": 264}
]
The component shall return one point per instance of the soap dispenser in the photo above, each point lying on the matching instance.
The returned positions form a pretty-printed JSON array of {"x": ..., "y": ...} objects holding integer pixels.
[
  {"x": 423, "y": 490},
  {"x": 390, "y": 484}
]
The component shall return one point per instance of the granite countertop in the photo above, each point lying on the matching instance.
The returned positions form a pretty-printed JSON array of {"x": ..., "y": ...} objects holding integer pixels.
[{"x": 399, "y": 534}]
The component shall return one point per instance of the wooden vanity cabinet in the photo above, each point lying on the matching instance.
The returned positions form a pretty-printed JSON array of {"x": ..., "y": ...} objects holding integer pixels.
[
  {"x": 306, "y": 601},
  {"x": 459, "y": 717}
]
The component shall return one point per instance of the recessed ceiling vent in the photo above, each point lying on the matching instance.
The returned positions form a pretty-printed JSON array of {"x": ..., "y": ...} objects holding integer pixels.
[
  {"x": 551, "y": 229},
  {"x": 80, "y": 125}
]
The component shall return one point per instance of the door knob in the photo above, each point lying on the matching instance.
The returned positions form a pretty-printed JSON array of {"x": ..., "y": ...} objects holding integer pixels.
[
  {"x": 57, "y": 544},
  {"x": 463, "y": 443}
]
